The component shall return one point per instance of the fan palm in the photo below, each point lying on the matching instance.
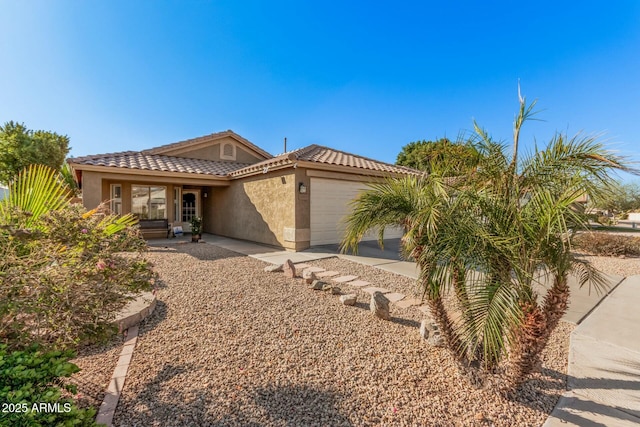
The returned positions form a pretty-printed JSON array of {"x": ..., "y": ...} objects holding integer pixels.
[
  {"x": 39, "y": 189},
  {"x": 491, "y": 238}
]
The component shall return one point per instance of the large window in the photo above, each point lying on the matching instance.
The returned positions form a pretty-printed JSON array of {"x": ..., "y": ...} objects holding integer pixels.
[{"x": 149, "y": 202}]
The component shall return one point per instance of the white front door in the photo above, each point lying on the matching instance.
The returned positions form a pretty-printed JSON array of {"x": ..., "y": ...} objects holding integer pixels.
[{"x": 190, "y": 207}]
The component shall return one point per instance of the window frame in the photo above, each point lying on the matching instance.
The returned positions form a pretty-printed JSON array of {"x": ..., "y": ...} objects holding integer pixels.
[{"x": 149, "y": 204}]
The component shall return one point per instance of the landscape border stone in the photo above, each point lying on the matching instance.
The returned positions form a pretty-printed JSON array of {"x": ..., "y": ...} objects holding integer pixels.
[
  {"x": 135, "y": 311},
  {"x": 116, "y": 385}
]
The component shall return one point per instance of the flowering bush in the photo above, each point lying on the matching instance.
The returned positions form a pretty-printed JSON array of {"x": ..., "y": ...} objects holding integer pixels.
[{"x": 65, "y": 272}]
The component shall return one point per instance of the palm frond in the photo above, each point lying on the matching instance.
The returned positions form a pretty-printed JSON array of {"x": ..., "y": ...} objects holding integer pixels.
[
  {"x": 587, "y": 274},
  {"x": 493, "y": 309},
  {"x": 36, "y": 190}
]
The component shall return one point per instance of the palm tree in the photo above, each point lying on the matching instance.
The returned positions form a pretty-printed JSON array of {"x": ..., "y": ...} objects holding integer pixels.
[
  {"x": 68, "y": 175},
  {"x": 491, "y": 237},
  {"x": 38, "y": 189}
]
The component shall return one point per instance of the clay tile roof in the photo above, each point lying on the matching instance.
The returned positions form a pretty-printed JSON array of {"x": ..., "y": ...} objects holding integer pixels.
[
  {"x": 156, "y": 162},
  {"x": 324, "y": 155}
]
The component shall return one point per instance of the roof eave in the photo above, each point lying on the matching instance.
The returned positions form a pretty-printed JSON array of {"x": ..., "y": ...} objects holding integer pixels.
[
  {"x": 348, "y": 169},
  {"x": 146, "y": 172},
  {"x": 318, "y": 166}
]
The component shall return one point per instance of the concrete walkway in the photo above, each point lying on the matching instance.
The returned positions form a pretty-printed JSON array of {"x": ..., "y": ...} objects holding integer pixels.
[
  {"x": 604, "y": 364},
  {"x": 604, "y": 359}
]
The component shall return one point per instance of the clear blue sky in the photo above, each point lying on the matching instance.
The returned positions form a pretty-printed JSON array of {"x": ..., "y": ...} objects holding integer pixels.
[{"x": 365, "y": 77}]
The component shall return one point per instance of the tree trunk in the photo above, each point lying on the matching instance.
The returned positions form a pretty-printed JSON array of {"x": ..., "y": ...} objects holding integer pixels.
[
  {"x": 534, "y": 333},
  {"x": 556, "y": 302},
  {"x": 526, "y": 345},
  {"x": 454, "y": 344},
  {"x": 440, "y": 315}
]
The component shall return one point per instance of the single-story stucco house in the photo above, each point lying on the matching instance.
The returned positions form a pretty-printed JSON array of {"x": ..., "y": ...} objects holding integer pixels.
[{"x": 293, "y": 200}]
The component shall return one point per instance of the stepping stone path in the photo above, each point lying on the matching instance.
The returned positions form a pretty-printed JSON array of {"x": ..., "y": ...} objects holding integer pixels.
[
  {"x": 408, "y": 302},
  {"x": 394, "y": 296},
  {"x": 358, "y": 283},
  {"x": 327, "y": 274},
  {"x": 301, "y": 267},
  {"x": 380, "y": 299},
  {"x": 424, "y": 309},
  {"x": 344, "y": 279},
  {"x": 309, "y": 276},
  {"x": 372, "y": 289},
  {"x": 273, "y": 268}
]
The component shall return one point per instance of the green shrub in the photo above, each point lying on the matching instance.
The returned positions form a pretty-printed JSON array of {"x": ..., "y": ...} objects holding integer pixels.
[
  {"x": 63, "y": 279},
  {"x": 30, "y": 391},
  {"x": 608, "y": 244}
]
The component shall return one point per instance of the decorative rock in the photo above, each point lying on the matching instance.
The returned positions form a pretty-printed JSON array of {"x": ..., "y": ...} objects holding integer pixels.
[
  {"x": 335, "y": 291},
  {"x": 309, "y": 276},
  {"x": 380, "y": 305},
  {"x": 429, "y": 331},
  {"x": 273, "y": 268},
  {"x": 327, "y": 287},
  {"x": 349, "y": 299},
  {"x": 318, "y": 285},
  {"x": 289, "y": 269}
]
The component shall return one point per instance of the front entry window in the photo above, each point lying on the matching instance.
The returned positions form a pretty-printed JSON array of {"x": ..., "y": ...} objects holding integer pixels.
[
  {"x": 149, "y": 202},
  {"x": 189, "y": 208}
]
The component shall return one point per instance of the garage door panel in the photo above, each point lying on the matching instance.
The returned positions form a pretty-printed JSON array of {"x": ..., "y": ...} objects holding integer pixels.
[{"x": 330, "y": 204}]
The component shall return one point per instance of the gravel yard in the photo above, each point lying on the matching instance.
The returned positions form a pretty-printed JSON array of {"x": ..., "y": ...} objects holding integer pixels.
[
  {"x": 629, "y": 266},
  {"x": 96, "y": 365},
  {"x": 229, "y": 344}
]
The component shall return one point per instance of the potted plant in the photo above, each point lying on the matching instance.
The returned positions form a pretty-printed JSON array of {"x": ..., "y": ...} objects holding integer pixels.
[{"x": 196, "y": 229}]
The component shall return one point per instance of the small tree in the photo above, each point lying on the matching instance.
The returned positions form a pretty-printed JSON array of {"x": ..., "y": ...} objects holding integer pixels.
[
  {"x": 623, "y": 199},
  {"x": 491, "y": 237},
  {"x": 21, "y": 147},
  {"x": 457, "y": 157}
]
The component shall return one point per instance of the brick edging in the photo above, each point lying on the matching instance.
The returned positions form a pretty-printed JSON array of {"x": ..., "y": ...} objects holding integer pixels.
[{"x": 112, "y": 396}]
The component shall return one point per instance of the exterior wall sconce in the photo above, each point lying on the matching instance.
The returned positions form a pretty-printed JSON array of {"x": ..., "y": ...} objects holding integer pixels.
[
  {"x": 205, "y": 194},
  {"x": 302, "y": 188}
]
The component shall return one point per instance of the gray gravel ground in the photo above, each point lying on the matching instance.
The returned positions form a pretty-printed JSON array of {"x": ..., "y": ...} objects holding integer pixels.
[
  {"x": 229, "y": 344},
  {"x": 96, "y": 364},
  {"x": 621, "y": 266}
]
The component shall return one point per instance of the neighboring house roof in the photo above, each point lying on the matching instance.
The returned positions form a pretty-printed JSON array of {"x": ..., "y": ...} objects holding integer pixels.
[
  {"x": 168, "y": 148},
  {"x": 324, "y": 156},
  {"x": 155, "y": 162}
]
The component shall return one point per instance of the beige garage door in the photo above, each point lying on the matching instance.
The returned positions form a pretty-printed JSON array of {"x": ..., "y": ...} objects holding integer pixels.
[{"x": 329, "y": 205}]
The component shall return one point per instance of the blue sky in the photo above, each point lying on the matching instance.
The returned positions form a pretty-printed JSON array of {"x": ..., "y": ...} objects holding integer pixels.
[{"x": 365, "y": 77}]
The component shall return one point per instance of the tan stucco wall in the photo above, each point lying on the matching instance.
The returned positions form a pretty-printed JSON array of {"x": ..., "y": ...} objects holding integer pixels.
[
  {"x": 257, "y": 208},
  {"x": 303, "y": 211},
  {"x": 91, "y": 189},
  {"x": 212, "y": 152}
]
